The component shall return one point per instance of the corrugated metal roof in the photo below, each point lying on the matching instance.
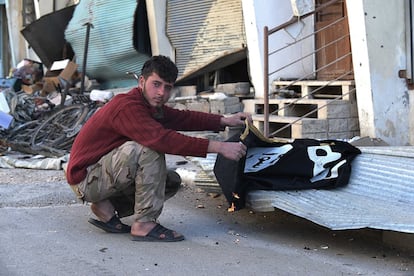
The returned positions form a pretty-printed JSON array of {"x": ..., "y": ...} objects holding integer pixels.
[
  {"x": 201, "y": 31},
  {"x": 380, "y": 195},
  {"x": 111, "y": 53}
]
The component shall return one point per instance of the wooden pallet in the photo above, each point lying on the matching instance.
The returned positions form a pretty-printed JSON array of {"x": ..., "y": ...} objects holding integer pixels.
[
  {"x": 312, "y": 108},
  {"x": 313, "y": 89}
]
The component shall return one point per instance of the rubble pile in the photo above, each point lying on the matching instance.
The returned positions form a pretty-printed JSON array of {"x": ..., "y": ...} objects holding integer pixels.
[{"x": 28, "y": 97}]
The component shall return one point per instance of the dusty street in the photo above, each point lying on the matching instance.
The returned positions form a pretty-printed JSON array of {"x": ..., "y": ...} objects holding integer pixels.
[{"x": 44, "y": 231}]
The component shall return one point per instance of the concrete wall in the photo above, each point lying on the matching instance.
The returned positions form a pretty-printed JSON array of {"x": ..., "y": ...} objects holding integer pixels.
[
  {"x": 15, "y": 21},
  {"x": 260, "y": 13},
  {"x": 157, "y": 18},
  {"x": 377, "y": 29}
]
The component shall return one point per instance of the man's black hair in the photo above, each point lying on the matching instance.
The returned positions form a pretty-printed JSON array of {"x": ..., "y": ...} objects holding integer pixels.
[{"x": 162, "y": 66}]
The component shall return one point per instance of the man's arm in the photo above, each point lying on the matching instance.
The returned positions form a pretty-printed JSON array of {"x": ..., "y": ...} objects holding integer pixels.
[
  {"x": 230, "y": 150},
  {"x": 237, "y": 119}
]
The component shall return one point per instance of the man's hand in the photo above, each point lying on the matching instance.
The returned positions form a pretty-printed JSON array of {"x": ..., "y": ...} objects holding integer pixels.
[
  {"x": 237, "y": 119},
  {"x": 231, "y": 150}
]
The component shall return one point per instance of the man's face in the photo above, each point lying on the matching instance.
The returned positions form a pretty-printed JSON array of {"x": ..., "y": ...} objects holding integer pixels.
[{"x": 156, "y": 90}]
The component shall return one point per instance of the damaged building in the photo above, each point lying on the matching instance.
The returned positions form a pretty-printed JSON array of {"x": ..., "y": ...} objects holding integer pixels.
[{"x": 207, "y": 41}]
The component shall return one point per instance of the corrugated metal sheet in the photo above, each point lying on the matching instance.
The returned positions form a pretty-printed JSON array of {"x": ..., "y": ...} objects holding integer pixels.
[
  {"x": 203, "y": 30},
  {"x": 380, "y": 195},
  {"x": 111, "y": 52}
]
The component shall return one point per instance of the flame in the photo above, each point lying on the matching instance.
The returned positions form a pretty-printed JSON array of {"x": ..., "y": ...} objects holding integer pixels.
[{"x": 232, "y": 208}]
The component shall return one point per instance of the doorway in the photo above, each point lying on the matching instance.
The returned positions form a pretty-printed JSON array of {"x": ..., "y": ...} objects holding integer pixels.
[{"x": 333, "y": 56}]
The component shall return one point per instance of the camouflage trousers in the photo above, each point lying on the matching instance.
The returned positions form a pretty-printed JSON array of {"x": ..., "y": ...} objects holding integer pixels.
[{"x": 133, "y": 178}]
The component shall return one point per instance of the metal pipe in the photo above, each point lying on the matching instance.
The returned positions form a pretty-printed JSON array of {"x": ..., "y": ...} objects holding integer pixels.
[
  {"x": 266, "y": 81},
  {"x": 85, "y": 56}
]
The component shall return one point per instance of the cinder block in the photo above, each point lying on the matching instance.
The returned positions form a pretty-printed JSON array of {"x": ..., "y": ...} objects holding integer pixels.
[
  {"x": 314, "y": 126},
  {"x": 326, "y": 118},
  {"x": 226, "y": 106},
  {"x": 338, "y": 110},
  {"x": 338, "y": 125},
  {"x": 353, "y": 109},
  {"x": 233, "y": 108},
  {"x": 249, "y": 106},
  {"x": 219, "y": 108},
  {"x": 185, "y": 91},
  {"x": 320, "y": 136},
  {"x": 353, "y": 124},
  {"x": 231, "y": 100},
  {"x": 238, "y": 88},
  {"x": 203, "y": 106},
  {"x": 298, "y": 132}
]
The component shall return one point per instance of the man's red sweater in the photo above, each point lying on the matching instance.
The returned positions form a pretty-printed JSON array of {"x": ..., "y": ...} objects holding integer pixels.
[{"x": 129, "y": 117}]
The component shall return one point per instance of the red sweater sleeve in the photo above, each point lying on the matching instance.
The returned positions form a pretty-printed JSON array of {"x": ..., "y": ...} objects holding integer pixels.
[
  {"x": 161, "y": 134},
  {"x": 129, "y": 117}
]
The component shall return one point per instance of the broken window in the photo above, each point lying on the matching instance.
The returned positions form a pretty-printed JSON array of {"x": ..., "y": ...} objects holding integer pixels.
[{"x": 141, "y": 37}]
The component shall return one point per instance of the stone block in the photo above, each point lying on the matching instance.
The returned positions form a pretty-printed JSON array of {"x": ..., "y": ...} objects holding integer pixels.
[
  {"x": 249, "y": 106},
  {"x": 226, "y": 106},
  {"x": 314, "y": 126},
  {"x": 185, "y": 91},
  {"x": 202, "y": 106},
  {"x": 353, "y": 124},
  {"x": 338, "y": 110},
  {"x": 338, "y": 125},
  {"x": 238, "y": 88}
]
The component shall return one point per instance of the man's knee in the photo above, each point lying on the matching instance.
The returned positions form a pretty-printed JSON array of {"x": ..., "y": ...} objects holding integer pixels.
[{"x": 131, "y": 149}]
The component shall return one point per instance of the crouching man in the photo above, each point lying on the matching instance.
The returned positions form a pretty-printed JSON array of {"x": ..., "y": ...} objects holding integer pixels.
[{"x": 117, "y": 161}]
